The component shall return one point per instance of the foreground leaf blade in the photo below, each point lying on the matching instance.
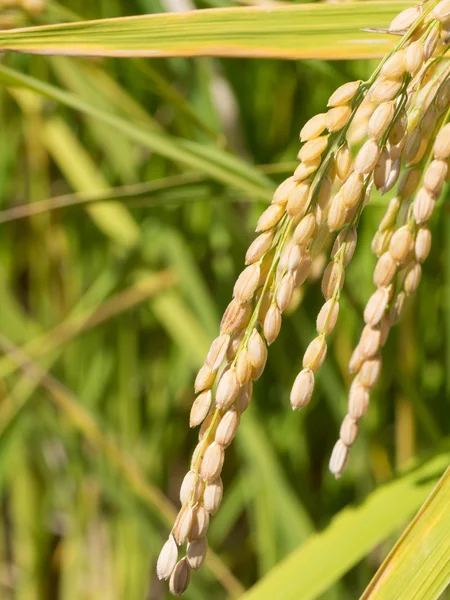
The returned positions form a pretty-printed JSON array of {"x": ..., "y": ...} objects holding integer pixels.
[
  {"x": 418, "y": 566},
  {"x": 319, "y": 31},
  {"x": 324, "y": 558}
]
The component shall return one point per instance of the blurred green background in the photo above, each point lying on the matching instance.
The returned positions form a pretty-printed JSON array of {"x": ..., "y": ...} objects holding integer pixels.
[{"x": 114, "y": 304}]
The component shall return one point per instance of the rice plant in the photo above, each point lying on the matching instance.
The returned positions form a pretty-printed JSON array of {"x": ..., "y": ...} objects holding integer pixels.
[{"x": 382, "y": 134}]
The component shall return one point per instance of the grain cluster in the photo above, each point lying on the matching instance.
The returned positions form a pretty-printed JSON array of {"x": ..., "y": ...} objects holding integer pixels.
[{"x": 397, "y": 120}]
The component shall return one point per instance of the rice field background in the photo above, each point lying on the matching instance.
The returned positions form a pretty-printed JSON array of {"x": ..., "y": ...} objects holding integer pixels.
[{"x": 129, "y": 193}]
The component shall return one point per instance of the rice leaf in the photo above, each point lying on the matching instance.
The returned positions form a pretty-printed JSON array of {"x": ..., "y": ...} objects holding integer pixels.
[
  {"x": 355, "y": 531},
  {"x": 322, "y": 30},
  {"x": 213, "y": 161},
  {"x": 78, "y": 167},
  {"x": 419, "y": 564}
]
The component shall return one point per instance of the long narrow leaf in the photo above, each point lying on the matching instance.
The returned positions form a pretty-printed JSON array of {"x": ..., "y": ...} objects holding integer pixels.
[
  {"x": 325, "y": 557},
  {"x": 112, "y": 218},
  {"x": 322, "y": 30},
  {"x": 419, "y": 565},
  {"x": 216, "y": 163}
]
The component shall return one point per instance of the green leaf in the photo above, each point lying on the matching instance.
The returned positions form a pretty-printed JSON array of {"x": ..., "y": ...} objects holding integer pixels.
[
  {"x": 182, "y": 325},
  {"x": 418, "y": 566},
  {"x": 326, "y": 556},
  {"x": 165, "y": 191},
  {"x": 84, "y": 176},
  {"x": 277, "y": 511},
  {"x": 319, "y": 30},
  {"x": 213, "y": 161}
]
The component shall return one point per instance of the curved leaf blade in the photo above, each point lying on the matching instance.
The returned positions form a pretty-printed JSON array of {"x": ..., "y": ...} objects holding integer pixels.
[
  {"x": 210, "y": 160},
  {"x": 319, "y": 31},
  {"x": 326, "y": 556},
  {"x": 418, "y": 566}
]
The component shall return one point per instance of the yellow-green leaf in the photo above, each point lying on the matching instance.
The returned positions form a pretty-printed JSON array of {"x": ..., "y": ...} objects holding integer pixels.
[
  {"x": 326, "y": 556},
  {"x": 322, "y": 30},
  {"x": 112, "y": 218},
  {"x": 418, "y": 568}
]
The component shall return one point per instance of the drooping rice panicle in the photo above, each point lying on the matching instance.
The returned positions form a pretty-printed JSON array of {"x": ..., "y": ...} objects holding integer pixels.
[
  {"x": 401, "y": 263},
  {"x": 347, "y": 205},
  {"x": 326, "y": 195}
]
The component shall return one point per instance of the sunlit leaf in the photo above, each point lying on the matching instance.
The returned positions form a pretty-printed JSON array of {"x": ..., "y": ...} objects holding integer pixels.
[
  {"x": 419, "y": 565},
  {"x": 319, "y": 30},
  {"x": 354, "y": 532}
]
